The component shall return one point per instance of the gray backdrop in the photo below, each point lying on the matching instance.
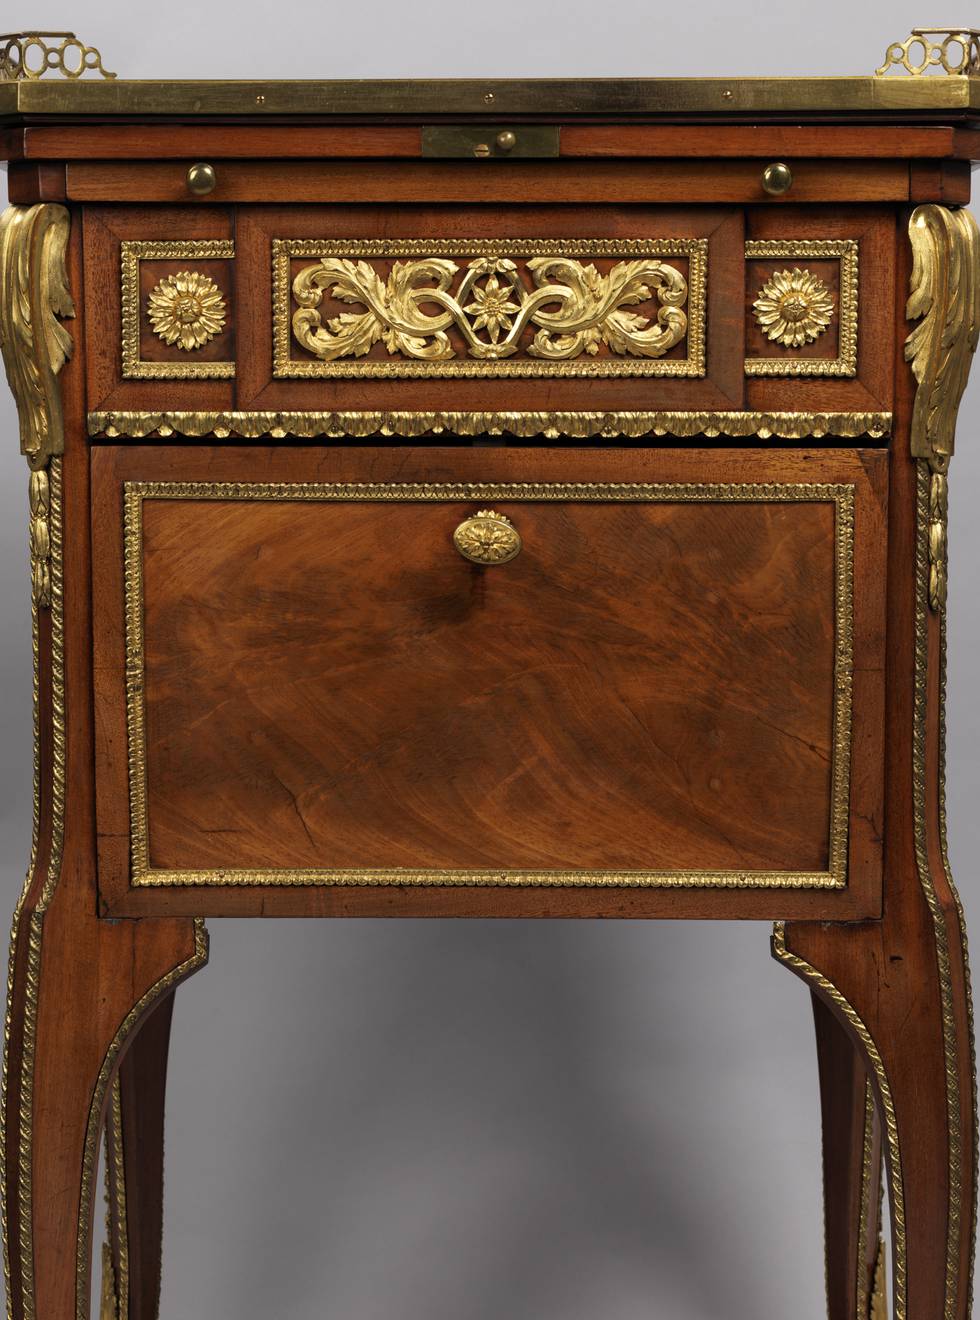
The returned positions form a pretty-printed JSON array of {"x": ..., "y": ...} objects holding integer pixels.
[{"x": 525, "y": 1121}]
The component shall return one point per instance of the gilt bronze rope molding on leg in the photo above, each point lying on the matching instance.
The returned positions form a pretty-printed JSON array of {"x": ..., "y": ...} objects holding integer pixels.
[{"x": 33, "y": 297}]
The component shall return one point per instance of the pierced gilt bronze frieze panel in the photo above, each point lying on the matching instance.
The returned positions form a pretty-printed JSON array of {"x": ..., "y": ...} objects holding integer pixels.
[
  {"x": 803, "y": 307},
  {"x": 176, "y": 319},
  {"x": 489, "y": 308}
]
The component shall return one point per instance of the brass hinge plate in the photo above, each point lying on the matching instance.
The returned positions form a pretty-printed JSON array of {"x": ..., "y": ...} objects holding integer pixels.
[{"x": 490, "y": 141}]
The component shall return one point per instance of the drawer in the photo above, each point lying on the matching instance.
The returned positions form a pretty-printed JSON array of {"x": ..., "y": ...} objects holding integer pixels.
[
  {"x": 342, "y": 307},
  {"x": 623, "y": 309},
  {"x": 619, "y": 682},
  {"x": 402, "y": 307}
]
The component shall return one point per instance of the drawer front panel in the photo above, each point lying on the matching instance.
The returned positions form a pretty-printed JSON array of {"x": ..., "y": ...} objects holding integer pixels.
[
  {"x": 655, "y": 692},
  {"x": 334, "y": 308},
  {"x": 401, "y": 307},
  {"x": 633, "y": 311}
]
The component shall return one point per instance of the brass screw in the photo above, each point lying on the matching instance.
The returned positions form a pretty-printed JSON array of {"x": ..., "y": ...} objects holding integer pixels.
[
  {"x": 506, "y": 141},
  {"x": 260, "y": 99},
  {"x": 481, "y": 149},
  {"x": 488, "y": 97},
  {"x": 201, "y": 179},
  {"x": 777, "y": 179},
  {"x": 727, "y": 94}
]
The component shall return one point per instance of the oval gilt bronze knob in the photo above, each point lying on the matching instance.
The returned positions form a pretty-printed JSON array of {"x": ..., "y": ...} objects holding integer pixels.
[
  {"x": 487, "y": 538},
  {"x": 506, "y": 140},
  {"x": 777, "y": 179},
  {"x": 201, "y": 179}
]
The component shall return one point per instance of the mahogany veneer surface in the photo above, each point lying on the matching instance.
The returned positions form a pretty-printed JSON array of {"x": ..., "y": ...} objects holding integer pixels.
[{"x": 363, "y": 697}]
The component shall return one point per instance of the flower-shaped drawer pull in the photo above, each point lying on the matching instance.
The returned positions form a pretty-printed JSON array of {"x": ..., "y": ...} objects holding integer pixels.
[{"x": 487, "y": 538}]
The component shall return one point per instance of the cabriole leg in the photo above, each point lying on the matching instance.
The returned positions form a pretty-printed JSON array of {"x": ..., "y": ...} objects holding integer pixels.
[{"x": 80, "y": 991}]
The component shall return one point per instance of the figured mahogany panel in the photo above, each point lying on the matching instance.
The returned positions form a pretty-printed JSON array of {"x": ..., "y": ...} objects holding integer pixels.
[{"x": 326, "y": 686}]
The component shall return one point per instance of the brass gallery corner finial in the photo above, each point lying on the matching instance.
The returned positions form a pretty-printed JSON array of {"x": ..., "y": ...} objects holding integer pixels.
[
  {"x": 27, "y": 56},
  {"x": 955, "y": 51}
]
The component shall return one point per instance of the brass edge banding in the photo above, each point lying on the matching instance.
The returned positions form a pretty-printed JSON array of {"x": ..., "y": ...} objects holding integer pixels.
[
  {"x": 967, "y": 977},
  {"x": 193, "y": 99},
  {"x": 944, "y": 300},
  {"x": 7, "y": 1024},
  {"x": 59, "y": 746},
  {"x": 34, "y": 298},
  {"x": 831, "y": 993},
  {"x": 869, "y": 1180},
  {"x": 843, "y": 684},
  {"x": 89, "y": 1160},
  {"x": 25, "y": 1180},
  {"x": 841, "y": 495},
  {"x": 119, "y": 1199},
  {"x": 115, "y": 1283},
  {"x": 950, "y": 1041},
  {"x": 132, "y": 252},
  {"x": 15, "y": 924},
  {"x": 549, "y": 425},
  {"x": 285, "y": 366},
  {"x": 846, "y": 251},
  {"x": 36, "y": 919}
]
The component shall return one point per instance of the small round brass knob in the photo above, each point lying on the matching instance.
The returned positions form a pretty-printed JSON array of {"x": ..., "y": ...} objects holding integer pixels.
[
  {"x": 487, "y": 538},
  {"x": 201, "y": 179},
  {"x": 507, "y": 140},
  {"x": 777, "y": 179}
]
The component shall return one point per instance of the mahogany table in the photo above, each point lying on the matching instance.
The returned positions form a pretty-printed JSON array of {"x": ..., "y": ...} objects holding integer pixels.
[{"x": 488, "y": 499}]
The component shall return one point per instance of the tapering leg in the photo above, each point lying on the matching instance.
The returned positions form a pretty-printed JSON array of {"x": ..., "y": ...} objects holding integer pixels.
[
  {"x": 81, "y": 989},
  {"x": 851, "y": 1169},
  {"x": 134, "y": 1168}
]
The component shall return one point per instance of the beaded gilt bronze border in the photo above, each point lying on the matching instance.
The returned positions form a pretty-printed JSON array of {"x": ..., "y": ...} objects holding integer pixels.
[
  {"x": 549, "y": 286},
  {"x": 842, "y": 497},
  {"x": 843, "y": 309},
  {"x": 134, "y": 251}
]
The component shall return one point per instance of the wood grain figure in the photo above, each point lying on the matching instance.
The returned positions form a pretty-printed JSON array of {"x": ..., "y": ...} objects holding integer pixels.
[{"x": 400, "y": 548}]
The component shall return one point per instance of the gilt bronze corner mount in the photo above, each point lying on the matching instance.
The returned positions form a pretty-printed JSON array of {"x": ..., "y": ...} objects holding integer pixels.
[{"x": 945, "y": 302}]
